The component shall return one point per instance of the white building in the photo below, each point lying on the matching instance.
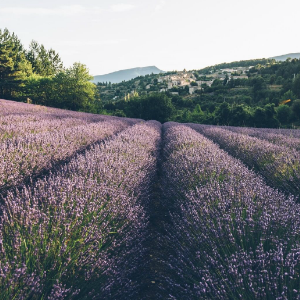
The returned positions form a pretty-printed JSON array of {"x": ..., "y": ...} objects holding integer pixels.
[
  {"x": 193, "y": 89},
  {"x": 208, "y": 83}
]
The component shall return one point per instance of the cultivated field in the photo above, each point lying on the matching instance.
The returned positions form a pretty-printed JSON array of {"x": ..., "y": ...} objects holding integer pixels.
[{"x": 100, "y": 207}]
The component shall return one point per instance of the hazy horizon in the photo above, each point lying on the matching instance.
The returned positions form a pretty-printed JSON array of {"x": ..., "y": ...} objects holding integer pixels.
[{"x": 113, "y": 35}]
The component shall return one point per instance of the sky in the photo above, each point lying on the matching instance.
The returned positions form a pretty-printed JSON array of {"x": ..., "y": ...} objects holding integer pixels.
[{"x": 113, "y": 35}]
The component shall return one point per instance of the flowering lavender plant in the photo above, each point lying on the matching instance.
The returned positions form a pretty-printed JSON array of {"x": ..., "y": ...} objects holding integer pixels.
[
  {"x": 77, "y": 234},
  {"x": 121, "y": 197},
  {"x": 234, "y": 236},
  {"x": 283, "y": 137},
  {"x": 279, "y": 165}
]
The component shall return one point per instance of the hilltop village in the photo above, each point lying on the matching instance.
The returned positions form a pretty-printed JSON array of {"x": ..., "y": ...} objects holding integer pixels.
[{"x": 182, "y": 83}]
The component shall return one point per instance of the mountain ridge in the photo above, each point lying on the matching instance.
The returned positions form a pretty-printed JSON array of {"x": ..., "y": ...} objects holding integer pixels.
[
  {"x": 127, "y": 74},
  {"x": 285, "y": 56}
]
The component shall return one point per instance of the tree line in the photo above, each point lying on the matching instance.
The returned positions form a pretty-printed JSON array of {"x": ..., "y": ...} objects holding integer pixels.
[
  {"x": 161, "y": 107},
  {"x": 37, "y": 75}
]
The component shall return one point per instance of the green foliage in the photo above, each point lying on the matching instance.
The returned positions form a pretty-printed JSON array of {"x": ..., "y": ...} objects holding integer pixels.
[
  {"x": 289, "y": 95},
  {"x": 239, "y": 115},
  {"x": 38, "y": 74},
  {"x": 77, "y": 90},
  {"x": 259, "y": 117},
  {"x": 44, "y": 62},
  {"x": 223, "y": 114},
  {"x": 119, "y": 113},
  {"x": 264, "y": 116},
  {"x": 156, "y": 106},
  {"x": 259, "y": 86},
  {"x": 283, "y": 114},
  {"x": 39, "y": 89},
  {"x": 11, "y": 62},
  {"x": 296, "y": 109},
  {"x": 69, "y": 89},
  {"x": 296, "y": 86}
]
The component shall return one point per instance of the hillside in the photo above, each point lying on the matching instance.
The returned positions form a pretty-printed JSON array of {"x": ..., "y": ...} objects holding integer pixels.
[
  {"x": 285, "y": 56},
  {"x": 119, "y": 76},
  {"x": 251, "y": 93}
]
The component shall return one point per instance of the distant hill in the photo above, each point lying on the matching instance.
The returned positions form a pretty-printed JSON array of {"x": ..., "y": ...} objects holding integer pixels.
[
  {"x": 119, "y": 76},
  {"x": 285, "y": 56}
]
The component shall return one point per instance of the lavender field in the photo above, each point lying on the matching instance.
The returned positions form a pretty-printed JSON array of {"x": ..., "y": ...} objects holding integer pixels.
[{"x": 101, "y": 207}]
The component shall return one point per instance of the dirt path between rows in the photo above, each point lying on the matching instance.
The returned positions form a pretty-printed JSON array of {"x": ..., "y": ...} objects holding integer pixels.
[{"x": 152, "y": 273}]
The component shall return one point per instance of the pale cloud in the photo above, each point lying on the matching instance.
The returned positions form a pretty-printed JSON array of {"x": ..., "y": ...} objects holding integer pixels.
[
  {"x": 160, "y": 5},
  {"x": 58, "y": 11},
  {"x": 121, "y": 7}
]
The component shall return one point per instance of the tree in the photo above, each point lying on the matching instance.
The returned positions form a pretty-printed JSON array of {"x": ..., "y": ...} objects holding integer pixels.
[
  {"x": 296, "y": 86},
  {"x": 197, "y": 115},
  {"x": 44, "y": 62},
  {"x": 289, "y": 95},
  {"x": 231, "y": 83},
  {"x": 156, "y": 106},
  {"x": 265, "y": 116},
  {"x": 270, "y": 114},
  {"x": 226, "y": 79},
  {"x": 259, "y": 117},
  {"x": 283, "y": 113},
  {"x": 73, "y": 87},
  {"x": 296, "y": 109},
  {"x": 40, "y": 90},
  {"x": 10, "y": 72},
  {"x": 223, "y": 114},
  {"x": 69, "y": 89},
  {"x": 259, "y": 85},
  {"x": 239, "y": 115},
  {"x": 217, "y": 82}
]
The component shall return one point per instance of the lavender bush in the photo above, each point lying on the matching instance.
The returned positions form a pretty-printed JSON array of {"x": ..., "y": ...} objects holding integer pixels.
[
  {"x": 28, "y": 154},
  {"x": 12, "y": 126},
  {"x": 78, "y": 233},
  {"x": 34, "y": 138},
  {"x": 12, "y": 108},
  {"x": 278, "y": 164},
  {"x": 283, "y": 137},
  {"x": 234, "y": 236}
]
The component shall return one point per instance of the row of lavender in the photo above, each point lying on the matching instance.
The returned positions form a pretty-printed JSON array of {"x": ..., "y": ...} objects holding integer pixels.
[
  {"x": 31, "y": 141},
  {"x": 283, "y": 137},
  {"x": 279, "y": 164},
  {"x": 234, "y": 236},
  {"x": 78, "y": 233},
  {"x": 13, "y": 126},
  {"x": 8, "y": 107},
  {"x": 28, "y": 154},
  {"x": 19, "y": 119}
]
